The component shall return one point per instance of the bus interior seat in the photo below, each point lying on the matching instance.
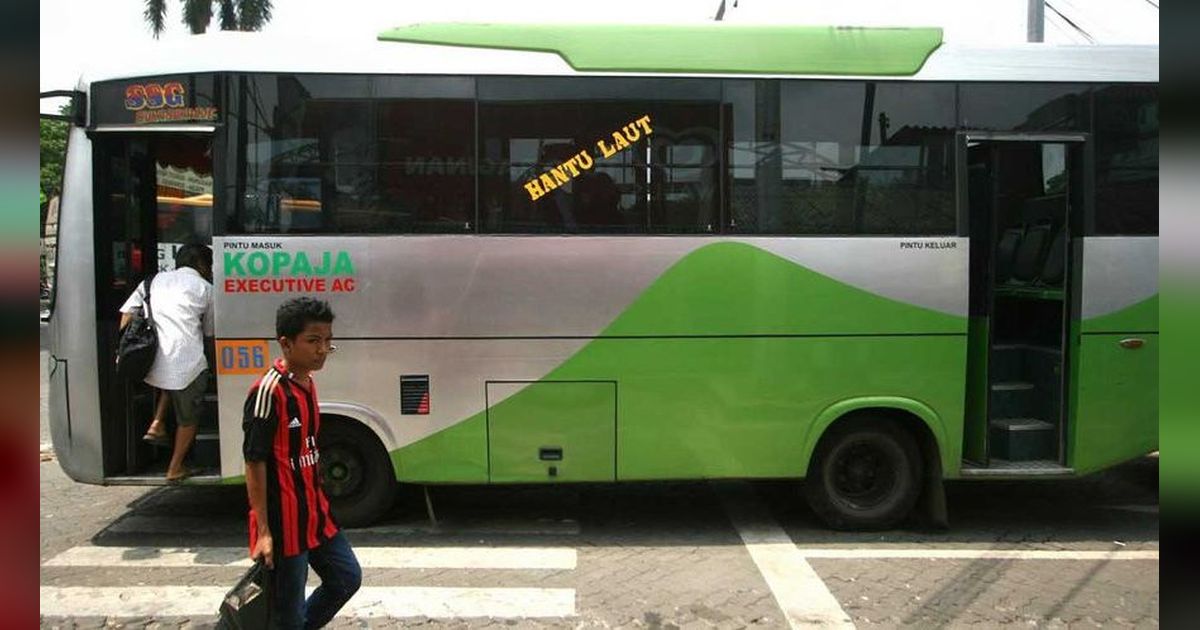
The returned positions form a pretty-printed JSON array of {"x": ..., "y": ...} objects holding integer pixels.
[
  {"x": 1031, "y": 254},
  {"x": 1006, "y": 251},
  {"x": 1056, "y": 259}
]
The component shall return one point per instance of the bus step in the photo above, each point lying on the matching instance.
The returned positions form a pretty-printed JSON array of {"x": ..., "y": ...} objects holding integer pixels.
[
  {"x": 208, "y": 412},
  {"x": 1025, "y": 347},
  {"x": 206, "y": 451},
  {"x": 1016, "y": 361},
  {"x": 1005, "y": 468},
  {"x": 1021, "y": 439},
  {"x": 1013, "y": 399},
  {"x": 1012, "y": 386},
  {"x": 205, "y": 476}
]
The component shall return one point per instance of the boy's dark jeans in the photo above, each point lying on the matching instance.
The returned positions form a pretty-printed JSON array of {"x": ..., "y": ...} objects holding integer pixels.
[{"x": 340, "y": 575}]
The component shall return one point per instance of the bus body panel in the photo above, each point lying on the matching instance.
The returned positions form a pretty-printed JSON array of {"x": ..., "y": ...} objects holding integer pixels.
[
  {"x": 1116, "y": 410},
  {"x": 721, "y": 352},
  {"x": 75, "y": 423},
  {"x": 552, "y": 431},
  {"x": 1114, "y": 416},
  {"x": 450, "y": 287}
]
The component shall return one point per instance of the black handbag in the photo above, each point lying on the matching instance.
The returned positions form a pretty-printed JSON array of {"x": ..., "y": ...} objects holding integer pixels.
[
  {"x": 139, "y": 341},
  {"x": 248, "y": 604}
]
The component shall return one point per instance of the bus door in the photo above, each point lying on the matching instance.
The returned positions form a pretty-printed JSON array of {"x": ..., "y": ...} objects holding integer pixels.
[
  {"x": 152, "y": 194},
  {"x": 1022, "y": 193}
]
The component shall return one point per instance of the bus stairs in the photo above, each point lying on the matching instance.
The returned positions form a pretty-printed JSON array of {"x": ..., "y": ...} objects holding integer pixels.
[
  {"x": 204, "y": 458},
  {"x": 1024, "y": 393}
]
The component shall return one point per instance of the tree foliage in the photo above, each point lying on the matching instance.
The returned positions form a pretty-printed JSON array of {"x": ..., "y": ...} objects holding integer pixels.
[
  {"x": 234, "y": 15},
  {"x": 53, "y": 154}
]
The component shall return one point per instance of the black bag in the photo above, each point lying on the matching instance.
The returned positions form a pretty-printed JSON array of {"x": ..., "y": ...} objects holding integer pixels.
[
  {"x": 248, "y": 604},
  {"x": 139, "y": 341}
]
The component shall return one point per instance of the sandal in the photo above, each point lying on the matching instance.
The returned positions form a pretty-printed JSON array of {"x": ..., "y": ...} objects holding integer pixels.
[
  {"x": 187, "y": 472},
  {"x": 157, "y": 439}
]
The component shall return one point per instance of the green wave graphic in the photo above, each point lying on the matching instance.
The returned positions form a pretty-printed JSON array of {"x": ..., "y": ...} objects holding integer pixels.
[
  {"x": 702, "y": 394},
  {"x": 1138, "y": 317}
]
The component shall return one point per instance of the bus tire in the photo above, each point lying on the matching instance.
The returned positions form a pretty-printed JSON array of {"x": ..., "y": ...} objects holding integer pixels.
[
  {"x": 865, "y": 474},
  {"x": 356, "y": 473}
]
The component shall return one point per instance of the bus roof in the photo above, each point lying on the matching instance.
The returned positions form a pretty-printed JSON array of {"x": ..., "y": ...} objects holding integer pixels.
[{"x": 497, "y": 53}]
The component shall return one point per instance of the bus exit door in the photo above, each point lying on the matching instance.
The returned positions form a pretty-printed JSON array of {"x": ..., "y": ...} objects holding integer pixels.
[
  {"x": 152, "y": 194},
  {"x": 1020, "y": 192}
]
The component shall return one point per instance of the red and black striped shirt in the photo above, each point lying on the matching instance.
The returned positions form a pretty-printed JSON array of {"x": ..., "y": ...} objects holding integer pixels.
[{"x": 281, "y": 420}]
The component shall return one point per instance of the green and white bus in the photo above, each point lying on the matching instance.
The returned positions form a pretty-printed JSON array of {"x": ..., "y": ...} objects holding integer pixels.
[{"x": 561, "y": 254}]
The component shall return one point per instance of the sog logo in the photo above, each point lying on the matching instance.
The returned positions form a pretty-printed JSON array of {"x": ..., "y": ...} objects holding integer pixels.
[
  {"x": 163, "y": 102},
  {"x": 154, "y": 96}
]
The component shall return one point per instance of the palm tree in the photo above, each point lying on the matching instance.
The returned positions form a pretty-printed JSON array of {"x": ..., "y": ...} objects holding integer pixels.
[{"x": 235, "y": 15}]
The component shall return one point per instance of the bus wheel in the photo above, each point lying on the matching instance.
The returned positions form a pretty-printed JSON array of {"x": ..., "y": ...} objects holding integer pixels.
[
  {"x": 356, "y": 473},
  {"x": 865, "y": 474}
]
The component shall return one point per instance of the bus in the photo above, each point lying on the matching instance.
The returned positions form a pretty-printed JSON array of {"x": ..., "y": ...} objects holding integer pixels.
[{"x": 864, "y": 258}]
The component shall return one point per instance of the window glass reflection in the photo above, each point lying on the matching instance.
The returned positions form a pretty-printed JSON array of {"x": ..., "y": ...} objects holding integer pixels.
[
  {"x": 1126, "y": 159},
  {"x": 327, "y": 154},
  {"x": 598, "y": 156},
  {"x": 810, "y": 157}
]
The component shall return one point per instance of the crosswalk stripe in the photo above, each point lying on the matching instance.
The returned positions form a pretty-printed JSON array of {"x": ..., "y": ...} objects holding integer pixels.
[
  {"x": 371, "y": 601},
  {"x": 485, "y": 527},
  {"x": 173, "y": 525},
  {"x": 802, "y": 595},
  {"x": 369, "y": 557},
  {"x": 976, "y": 554}
]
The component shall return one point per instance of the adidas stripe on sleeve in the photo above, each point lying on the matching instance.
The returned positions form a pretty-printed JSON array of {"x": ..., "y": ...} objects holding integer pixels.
[{"x": 259, "y": 418}]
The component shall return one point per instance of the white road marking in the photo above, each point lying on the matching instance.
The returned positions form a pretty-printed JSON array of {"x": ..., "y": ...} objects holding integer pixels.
[
  {"x": 802, "y": 595},
  {"x": 868, "y": 553},
  {"x": 561, "y": 558},
  {"x": 196, "y": 526},
  {"x": 546, "y": 527},
  {"x": 371, "y": 601}
]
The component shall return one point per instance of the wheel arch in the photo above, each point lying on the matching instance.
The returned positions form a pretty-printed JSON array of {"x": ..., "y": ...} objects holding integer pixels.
[
  {"x": 367, "y": 418},
  {"x": 915, "y": 417}
]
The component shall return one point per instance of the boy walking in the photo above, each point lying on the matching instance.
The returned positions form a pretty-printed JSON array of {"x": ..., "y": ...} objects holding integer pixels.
[{"x": 291, "y": 527}]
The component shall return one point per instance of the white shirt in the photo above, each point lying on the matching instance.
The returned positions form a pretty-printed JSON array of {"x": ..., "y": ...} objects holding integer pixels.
[{"x": 181, "y": 306}]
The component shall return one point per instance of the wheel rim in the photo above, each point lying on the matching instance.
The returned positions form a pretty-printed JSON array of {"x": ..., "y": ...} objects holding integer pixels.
[
  {"x": 342, "y": 471},
  {"x": 864, "y": 475}
]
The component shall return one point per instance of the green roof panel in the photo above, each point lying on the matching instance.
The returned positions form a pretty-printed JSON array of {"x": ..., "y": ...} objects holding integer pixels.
[{"x": 715, "y": 48}]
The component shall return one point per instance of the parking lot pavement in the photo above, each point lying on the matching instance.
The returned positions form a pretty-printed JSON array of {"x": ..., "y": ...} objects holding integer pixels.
[{"x": 1077, "y": 553}]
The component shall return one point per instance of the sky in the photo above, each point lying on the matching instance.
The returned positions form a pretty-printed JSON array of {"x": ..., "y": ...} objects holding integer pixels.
[{"x": 75, "y": 33}]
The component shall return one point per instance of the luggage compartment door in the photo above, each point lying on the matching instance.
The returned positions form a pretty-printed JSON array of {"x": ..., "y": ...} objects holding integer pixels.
[{"x": 551, "y": 431}]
